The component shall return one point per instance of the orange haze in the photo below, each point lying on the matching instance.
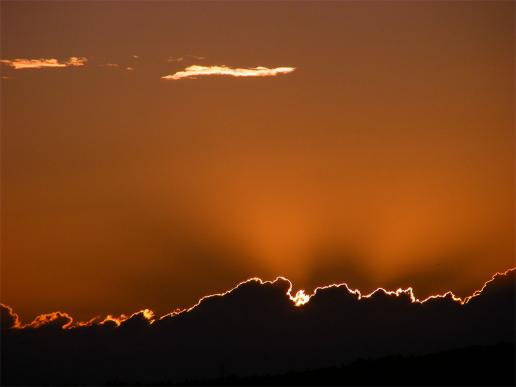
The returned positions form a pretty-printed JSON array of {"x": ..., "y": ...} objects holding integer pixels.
[{"x": 385, "y": 159}]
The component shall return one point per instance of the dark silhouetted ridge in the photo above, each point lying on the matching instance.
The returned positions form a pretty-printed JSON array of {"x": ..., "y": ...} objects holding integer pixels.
[{"x": 491, "y": 365}]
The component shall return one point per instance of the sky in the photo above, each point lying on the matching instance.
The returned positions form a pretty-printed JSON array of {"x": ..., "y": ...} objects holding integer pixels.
[{"x": 153, "y": 153}]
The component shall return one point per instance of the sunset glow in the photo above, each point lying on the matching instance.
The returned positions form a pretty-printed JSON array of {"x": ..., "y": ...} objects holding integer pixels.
[
  {"x": 155, "y": 154},
  {"x": 257, "y": 193}
]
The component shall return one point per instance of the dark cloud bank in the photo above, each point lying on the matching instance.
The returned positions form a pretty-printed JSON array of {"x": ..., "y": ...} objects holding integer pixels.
[{"x": 255, "y": 329}]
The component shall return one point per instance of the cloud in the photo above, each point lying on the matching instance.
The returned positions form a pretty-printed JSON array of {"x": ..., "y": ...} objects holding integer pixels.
[
  {"x": 117, "y": 66},
  {"x": 8, "y": 318},
  {"x": 52, "y": 320},
  {"x": 19, "y": 63},
  {"x": 258, "y": 327},
  {"x": 174, "y": 59},
  {"x": 112, "y": 65},
  {"x": 196, "y": 70},
  {"x": 299, "y": 299},
  {"x": 184, "y": 57}
]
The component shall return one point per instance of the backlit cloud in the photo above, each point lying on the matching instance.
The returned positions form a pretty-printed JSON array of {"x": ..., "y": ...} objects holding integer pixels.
[
  {"x": 21, "y": 63},
  {"x": 255, "y": 320},
  {"x": 196, "y": 70}
]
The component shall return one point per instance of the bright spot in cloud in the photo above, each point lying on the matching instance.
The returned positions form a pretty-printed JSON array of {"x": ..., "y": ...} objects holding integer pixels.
[
  {"x": 196, "y": 70},
  {"x": 19, "y": 64}
]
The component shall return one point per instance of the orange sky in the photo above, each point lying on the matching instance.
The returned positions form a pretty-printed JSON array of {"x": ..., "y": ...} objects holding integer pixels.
[{"x": 384, "y": 158}]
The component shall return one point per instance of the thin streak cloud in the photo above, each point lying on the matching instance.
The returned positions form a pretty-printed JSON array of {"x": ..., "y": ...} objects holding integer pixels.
[
  {"x": 196, "y": 70},
  {"x": 22, "y": 63},
  {"x": 184, "y": 57}
]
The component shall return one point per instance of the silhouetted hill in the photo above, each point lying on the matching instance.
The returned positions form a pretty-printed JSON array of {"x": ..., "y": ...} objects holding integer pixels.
[
  {"x": 255, "y": 329},
  {"x": 472, "y": 366}
]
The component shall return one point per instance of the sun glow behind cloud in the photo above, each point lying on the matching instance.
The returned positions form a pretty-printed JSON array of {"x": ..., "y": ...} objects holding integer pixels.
[
  {"x": 23, "y": 63},
  {"x": 196, "y": 70},
  {"x": 66, "y": 321}
]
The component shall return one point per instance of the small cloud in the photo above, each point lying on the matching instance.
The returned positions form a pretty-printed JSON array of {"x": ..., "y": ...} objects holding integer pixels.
[
  {"x": 184, "y": 57},
  {"x": 117, "y": 66},
  {"x": 197, "y": 57},
  {"x": 172, "y": 59},
  {"x": 196, "y": 70},
  {"x": 22, "y": 63},
  {"x": 135, "y": 56},
  {"x": 76, "y": 61}
]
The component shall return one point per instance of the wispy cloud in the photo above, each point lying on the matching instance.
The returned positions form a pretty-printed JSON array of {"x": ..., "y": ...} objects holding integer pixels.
[
  {"x": 196, "y": 70},
  {"x": 22, "y": 63},
  {"x": 184, "y": 57},
  {"x": 174, "y": 59},
  {"x": 117, "y": 66}
]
